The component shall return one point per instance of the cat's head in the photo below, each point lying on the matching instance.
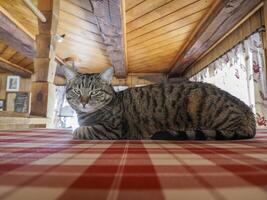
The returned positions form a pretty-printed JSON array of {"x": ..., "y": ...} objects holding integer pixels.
[{"x": 89, "y": 92}]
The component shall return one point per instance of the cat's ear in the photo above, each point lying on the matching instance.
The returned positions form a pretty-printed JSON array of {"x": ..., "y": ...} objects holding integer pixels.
[
  {"x": 66, "y": 71},
  {"x": 69, "y": 73},
  {"x": 67, "y": 68},
  {"x": 107, "y": 75}
]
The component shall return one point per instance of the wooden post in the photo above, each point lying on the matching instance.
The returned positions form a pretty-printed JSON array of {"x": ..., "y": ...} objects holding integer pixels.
[{"x": 43, "y": 89}]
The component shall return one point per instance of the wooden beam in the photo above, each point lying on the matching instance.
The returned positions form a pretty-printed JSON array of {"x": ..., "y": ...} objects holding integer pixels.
[
  {"x": 60, "y": 81},
  {"x": 110, "y": 20},
  {"x": 43, "y": 89},
  {"x": 15, "y": 35},
  {"x": 13, "y": 68},
  {"x": 18, "y": 37},
  {"x": 224, "y": 17}
]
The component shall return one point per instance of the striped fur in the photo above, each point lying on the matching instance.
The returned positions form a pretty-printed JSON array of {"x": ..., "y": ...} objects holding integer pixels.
[{"x": 187, "y": 110}]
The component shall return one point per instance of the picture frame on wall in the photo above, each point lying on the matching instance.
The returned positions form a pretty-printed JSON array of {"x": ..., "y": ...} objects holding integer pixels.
[
  {"x": 12, "y": 83},
  {"x": 2, "y": 105}
]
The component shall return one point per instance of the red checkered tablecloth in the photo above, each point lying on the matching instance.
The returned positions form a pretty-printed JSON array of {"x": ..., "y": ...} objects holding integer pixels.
[{"x": 47, "y": 164}]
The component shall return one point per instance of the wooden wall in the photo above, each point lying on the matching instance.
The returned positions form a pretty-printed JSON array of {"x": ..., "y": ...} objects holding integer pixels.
[
  {"x": 14, "y": 120},
  {"x": 239, "y": 34}
]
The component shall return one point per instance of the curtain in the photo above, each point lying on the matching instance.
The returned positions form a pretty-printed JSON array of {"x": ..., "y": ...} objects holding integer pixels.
[
  {"x": 241, "y": 72},
  {"x": 60, "y": 97}
]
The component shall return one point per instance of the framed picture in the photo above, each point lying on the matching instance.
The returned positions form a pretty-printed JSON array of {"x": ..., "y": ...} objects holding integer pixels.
[
  {"x": 1, "y": 105},
  {"x": 21, "y": 103},
  {"x": 12, "y": 83}
]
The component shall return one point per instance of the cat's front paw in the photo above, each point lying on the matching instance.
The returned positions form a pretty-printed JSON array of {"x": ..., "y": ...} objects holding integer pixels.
[{"x": 81, "y": 133}]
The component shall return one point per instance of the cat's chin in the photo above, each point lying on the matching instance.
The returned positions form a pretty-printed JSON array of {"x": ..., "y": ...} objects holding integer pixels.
[{"x": 88, "y": 110}]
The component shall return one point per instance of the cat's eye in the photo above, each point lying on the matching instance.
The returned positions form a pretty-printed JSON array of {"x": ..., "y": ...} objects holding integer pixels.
[
  {"x": 95, "y": 92},
  {"x": 76, "y": 91}
]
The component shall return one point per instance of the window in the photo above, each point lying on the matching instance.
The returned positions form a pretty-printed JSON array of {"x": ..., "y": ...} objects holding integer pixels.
[{"x": 241, "y": 72}]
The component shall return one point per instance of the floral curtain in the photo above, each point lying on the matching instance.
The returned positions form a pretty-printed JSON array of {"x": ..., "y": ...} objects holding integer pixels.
[
  {"x": 241, "y": 72},
  {"x": 60, "y": 96}
]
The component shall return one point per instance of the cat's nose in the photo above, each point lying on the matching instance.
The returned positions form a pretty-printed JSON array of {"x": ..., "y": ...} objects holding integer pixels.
[
  {"x": 84, "y": 100},
  {"x": 84, "y": 104}
]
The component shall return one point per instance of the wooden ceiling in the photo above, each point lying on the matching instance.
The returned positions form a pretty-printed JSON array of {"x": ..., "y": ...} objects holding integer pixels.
[
  {"x": 83, "y": 39},
  {"x": 15, "y": 57},
  {"x": 156, "y": 31}
]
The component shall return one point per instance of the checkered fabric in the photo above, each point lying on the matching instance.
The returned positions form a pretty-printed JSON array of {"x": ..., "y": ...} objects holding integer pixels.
[{"x": 47, "y": 164}]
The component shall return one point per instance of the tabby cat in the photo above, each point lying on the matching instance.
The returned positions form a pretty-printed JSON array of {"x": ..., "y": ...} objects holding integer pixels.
[{"x": 184, "y": 110}]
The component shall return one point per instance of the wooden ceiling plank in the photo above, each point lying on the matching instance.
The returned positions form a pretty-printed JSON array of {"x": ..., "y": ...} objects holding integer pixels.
[
  {"x": 129, "y": 4},
  {"x": 80, "y": 39},
  {"x": 156, "y": 55},
  {"x": 92, "y": 69},
  {"x": 191, "y": 9},
  {"x": 13, "y": 68},
  {"x": 124, "y": 37},
  {"x": 3, "y": 50},
  {"x": 77, "y": 11},
  {"x": 144, "y": 8},
  {"x": 157, "y": 68},
  {"x": 223, "y": 18},
  {"x": 171, "y": 26},
  {"x": 151, "y": 56},
  {"x": 12, "y": 33},
  {"x": 139, "y": 59},
  {"x": 156, "y": 45},
  {"x": 84, "y": 56},
  {"x": 71, "y": 20},
  {"x": 155, "y": 59},
  {"x": 163, "y": 60},
  {"x": 8, "y": 53},
  {"x": 152, "y": 69},
  {"x": 83, "y": 48},
  {"x": 84, "y": 4},
  {"x": 148, "y": 50},
  {"x": 157, "y": 13},
  {"x": 80, "y": 31},
  {"x": 17, "y": 58},
  {"x": 172, "y": 33},
  {"x": 3, "y": 46},
  {"x": 88, "y": 62},
  {"x": 155, "y": 51},
  {"x": 21, "y": 15},
  {"x": 175, "y": 36},
  {"x": 30, "y": 67},
  {"x": 25, "y": 62},
  {"x": 159, "y": 55},
  {"x": 81, "y": 51}
]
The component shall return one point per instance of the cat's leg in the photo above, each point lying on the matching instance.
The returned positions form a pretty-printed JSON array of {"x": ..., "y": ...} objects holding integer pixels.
[
  {"x": 202, "y": 135},
  {"x": 96, "y": 132},
  {"x": 169, "y": 135},
  {"x": 220, "y": 134}
]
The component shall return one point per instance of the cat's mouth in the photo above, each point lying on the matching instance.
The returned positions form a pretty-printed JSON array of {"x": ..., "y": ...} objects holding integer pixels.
[{"x": 88, "y": 108}]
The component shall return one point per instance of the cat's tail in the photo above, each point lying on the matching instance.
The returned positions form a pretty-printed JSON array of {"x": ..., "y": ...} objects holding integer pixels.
[
  {"x": 244, "y": 128},
  {"x": 249, "y": 124},
  {"x": 237, "y": 134}
]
